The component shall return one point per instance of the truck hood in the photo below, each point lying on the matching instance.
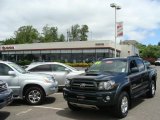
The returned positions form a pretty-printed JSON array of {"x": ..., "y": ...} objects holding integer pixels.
[
  {"x": 100, "y": 77},
  {"x": 73, "y": 73}
]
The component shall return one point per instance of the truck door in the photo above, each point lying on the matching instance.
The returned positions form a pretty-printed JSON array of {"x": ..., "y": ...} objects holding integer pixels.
[
  {"x": 135, "y": 78},
  {"x": 13, "y": 81},
  {"x": 144, "y": 74}
]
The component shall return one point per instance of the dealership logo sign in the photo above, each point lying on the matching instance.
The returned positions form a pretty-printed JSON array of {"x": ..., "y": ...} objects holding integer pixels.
[{"x": 8, "y": 47}]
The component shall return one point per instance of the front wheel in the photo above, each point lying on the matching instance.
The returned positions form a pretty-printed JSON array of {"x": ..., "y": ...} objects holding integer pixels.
[
  {"x": 122, "y": 105},
  {"x": 34, "y": 95},
  {"x": 152, "y": 90}
]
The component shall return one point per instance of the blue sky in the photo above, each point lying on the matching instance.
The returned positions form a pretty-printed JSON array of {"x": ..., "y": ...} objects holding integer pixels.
[
  {"x": 141, "y": 18},
  {"x": 153, "y": 40}
]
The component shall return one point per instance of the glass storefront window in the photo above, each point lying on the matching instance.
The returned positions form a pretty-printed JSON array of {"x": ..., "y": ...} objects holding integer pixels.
[{"x": 76, "y": 55}]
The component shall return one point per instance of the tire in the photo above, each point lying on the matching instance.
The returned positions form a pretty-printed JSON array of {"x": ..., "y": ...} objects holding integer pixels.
[
  {"x": 73, "y": 108},
  {"x": 152, "y": 90},
  {"x": 122, "y": 105},
  {"x": 34, "y": 96}
]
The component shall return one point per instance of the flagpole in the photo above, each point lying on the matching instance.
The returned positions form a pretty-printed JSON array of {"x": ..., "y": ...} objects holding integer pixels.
[
  {"x": 113, "y": 5},
  {"x": 115, "y": 50}
]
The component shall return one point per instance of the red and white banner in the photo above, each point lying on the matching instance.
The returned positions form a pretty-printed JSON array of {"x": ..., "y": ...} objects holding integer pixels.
[{"x": 119, "y": 29}]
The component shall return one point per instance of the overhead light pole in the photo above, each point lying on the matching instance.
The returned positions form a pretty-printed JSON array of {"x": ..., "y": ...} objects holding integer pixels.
[{"x": 116, "y": 7}]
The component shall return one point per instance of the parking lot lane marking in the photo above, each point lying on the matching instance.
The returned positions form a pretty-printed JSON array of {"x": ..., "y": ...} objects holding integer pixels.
[
  {"x": 23, "y": 112},
  {"x": 58, "y": 93},
  {"x": 48, "y": 107}
]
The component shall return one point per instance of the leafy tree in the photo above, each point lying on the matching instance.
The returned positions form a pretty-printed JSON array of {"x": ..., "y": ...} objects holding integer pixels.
[
  {"x": 75, "y": 30},
  {"x": 84, "y": 31},
  {"x": 158, "y": 43},
  {"x": 9, "y": 41},
  {"x": 61, "y": 38},
  {"x": 150, "y": 51},
  {"x": 50, "y": 34},
  {"x": 26, "y": 34},
  {"x": 78, "y": 33}
]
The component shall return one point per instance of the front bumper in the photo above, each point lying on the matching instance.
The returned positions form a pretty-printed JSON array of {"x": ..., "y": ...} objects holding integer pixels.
[
  {"x": 101, "y": 98},
  {"x": 6, "y": 97},
  {"x": 51, "y": 88}
]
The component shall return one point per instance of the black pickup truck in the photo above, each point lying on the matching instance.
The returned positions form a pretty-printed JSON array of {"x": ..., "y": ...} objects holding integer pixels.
[
  {"x": 111, "y": 82},
  {"x": 5, "y": 94}
]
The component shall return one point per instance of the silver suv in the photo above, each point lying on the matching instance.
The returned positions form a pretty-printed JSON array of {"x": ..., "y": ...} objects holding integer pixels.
[
  {"x": 59, "y": 70},
  {"x": 31, "y": 87}
]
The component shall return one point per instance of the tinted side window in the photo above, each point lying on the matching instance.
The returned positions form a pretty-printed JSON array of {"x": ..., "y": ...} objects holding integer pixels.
[
  {"x": 46, "y": 67},
  {"x": 140, "y": 65},
  {"x": 58, "y": 68},
  {"x": 133, "y": 64},
  {"x": 4, "y": 69}
]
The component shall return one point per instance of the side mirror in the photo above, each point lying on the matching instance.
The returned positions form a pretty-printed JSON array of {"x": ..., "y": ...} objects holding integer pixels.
[
  {"x": 67, "y": 70},
  {"x": 86, "y": 69},
  {"x": 134, "y": 70},
  {"x": 12, "y": 73},
  {"x": 148, "y": 65}
]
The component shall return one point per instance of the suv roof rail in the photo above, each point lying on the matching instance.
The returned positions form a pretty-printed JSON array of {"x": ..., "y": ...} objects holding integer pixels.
[{"x": 134, "y": 56}]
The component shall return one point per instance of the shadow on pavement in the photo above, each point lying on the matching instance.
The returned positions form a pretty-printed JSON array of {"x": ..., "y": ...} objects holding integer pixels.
[
  {"x": 137, "y": 101},
  {"x": 49, "y": 100},
  {"x": 87, "y": 114},
  {"x": 19, "y": 102},
  {"x": 4, "y": 115}
]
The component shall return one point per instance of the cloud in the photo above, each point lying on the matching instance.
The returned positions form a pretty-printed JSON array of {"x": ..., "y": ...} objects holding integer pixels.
[{"x": 140, "y": 17}]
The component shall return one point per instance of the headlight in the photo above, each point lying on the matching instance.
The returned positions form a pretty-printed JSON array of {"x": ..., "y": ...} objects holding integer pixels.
[
  {"x": 67, "y": 83},
  {"x": 6, "y": 85},
  {"x": 48, "y": 80},
  {"x": 106, "y": 85}
]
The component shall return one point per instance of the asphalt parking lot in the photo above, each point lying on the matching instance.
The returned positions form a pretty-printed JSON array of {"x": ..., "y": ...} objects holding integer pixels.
[{"x": 55, "y": 108}]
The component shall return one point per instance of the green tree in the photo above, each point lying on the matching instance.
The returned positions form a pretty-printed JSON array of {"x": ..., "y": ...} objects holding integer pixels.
[
  {"x": 151, "y": 51},
  {"x": 61, "y": 38},
  {"x": 84, "y": 31},
  {"x": 78, "y": 33},
  {"x": 50, "y": 34},
  {"x": 26, "y": 34},
  {"x": 9, "y": 41},
  {"x": 75, "y": 31}
]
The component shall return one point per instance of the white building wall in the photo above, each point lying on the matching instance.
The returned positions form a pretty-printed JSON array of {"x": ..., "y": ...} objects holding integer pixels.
[
  {"x": 60, "y": 45},
  {"x": 128, "y": 50}
]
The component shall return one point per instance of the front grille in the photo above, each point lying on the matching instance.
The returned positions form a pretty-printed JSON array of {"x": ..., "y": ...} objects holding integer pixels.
[
  {"x": 3, "y": 86},
  {"x": 83, "y": 85}
]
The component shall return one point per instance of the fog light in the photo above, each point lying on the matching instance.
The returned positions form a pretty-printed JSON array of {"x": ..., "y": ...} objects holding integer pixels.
[
  {"x": 64, "y": 94},
  {"x": 108, "y": 98}
]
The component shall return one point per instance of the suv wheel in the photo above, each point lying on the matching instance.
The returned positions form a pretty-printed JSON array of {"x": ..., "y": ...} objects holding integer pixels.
[
  {"x": 34, "y": 95},
  {"x": 152, "y": 90},
  {"x": 72, "y": 107},
  {"x": 122, "y": 105}
]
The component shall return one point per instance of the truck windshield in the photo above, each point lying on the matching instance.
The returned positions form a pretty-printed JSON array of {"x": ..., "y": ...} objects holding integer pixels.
[
  {"x": 17, "y": 67},
  {"x": 107, "y": 66}
]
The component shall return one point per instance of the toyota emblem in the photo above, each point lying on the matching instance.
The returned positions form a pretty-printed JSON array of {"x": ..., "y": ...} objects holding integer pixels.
[{"x": 82, "y": 85}]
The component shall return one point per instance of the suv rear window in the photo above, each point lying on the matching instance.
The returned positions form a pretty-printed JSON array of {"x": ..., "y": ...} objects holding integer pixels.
[{"x": 46, "y": 67}]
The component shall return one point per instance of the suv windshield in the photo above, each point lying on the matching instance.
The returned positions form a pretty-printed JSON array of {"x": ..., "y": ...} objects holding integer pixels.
[
  {"x": 107, "y": 66},
  {"x": 17, "y": 67}
]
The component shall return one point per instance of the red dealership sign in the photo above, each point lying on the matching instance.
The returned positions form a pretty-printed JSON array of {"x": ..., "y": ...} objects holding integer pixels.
[
  {"x": 119, "y": 29},
  {"x": 7, "y": 47}
]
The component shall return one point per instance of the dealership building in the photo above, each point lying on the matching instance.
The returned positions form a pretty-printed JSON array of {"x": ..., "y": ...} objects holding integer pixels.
[{"x": 75, "y": 51}]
